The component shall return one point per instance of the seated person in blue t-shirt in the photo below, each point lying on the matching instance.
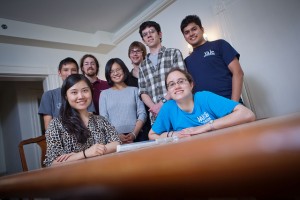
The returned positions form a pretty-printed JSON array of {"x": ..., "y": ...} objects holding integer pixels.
[{"x": 187, "y": 114}]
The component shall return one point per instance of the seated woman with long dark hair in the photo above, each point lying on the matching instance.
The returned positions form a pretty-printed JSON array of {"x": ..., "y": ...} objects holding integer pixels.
[{"x": 76, "y": 133}]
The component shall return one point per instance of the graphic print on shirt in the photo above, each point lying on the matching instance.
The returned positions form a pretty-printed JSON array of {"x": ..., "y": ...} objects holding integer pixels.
[
  {"x": 58, "y": 105},
  {"x": 209, "y": 53},
  {"x": 204, "y": 118}
]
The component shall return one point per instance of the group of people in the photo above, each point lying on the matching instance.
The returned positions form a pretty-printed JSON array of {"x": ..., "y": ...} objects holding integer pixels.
[{"x": 163, "y": 95}]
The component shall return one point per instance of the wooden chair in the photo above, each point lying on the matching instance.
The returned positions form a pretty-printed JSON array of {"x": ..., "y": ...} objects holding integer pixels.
[{"x": 41, "y": 141}]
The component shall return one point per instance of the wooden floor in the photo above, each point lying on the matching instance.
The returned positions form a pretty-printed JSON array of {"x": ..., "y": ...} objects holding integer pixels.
[{"x": 259, "y": 160}]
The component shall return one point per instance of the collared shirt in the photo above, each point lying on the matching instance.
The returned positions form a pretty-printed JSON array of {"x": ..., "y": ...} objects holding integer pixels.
[
  {"x": 152, "y": 78},
  {"x": 98, "y": 87}
]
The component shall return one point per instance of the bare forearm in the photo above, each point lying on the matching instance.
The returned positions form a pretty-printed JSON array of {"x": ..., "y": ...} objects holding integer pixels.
[
  {"x": 237, "y": 79},
  {"x": 237, "y": 84},
  {"x": 47, "y": 119},
  {"x": 138, "y": 126},
  {"x": 68, "y": 158},
  {"x": 147, "y": 100},
  {"x": 240, "y": 115},
  {"x": 152, "y": 135},
  {"x": 111, "y": 147}
]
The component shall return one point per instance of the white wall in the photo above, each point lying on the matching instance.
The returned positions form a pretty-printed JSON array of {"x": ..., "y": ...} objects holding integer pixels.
[
  {"x": 265, "y": 33},
  {"x": 39, "y": 60},
  {"x": 169, "y": 21}
]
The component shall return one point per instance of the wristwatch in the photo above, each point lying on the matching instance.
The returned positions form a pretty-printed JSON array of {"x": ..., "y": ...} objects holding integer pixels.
[{"x": 164, "y": 100}]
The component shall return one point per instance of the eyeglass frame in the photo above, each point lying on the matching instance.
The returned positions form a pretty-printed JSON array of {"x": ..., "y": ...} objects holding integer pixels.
[
  {"x": 146, "y": 33},
  {"x": 117, "y": 70},
  {"x": 180, "y": 81},
  {"x": 132, "y": 52}
]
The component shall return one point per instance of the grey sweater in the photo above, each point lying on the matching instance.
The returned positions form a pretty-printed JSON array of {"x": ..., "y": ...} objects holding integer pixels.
[{"x": 122, "y": 108}]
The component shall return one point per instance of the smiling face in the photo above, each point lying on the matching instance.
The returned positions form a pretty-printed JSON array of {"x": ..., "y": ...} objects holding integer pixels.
[
  {"x": 116, "y": 73},
  {"x": 66, "y": 70},
  {"x": 79, "y": 96},
  {"x": 151, "y": 37},
  {"x": 179, "y": 86},
  {"x": 136, "y": 55},
  {"x": 193, "y": 34}
]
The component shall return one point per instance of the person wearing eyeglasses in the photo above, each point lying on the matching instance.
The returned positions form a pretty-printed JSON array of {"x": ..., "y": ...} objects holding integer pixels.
[
  {"x": 89, "y": 66},
  {"x": 137, "y": 53},
  {"x": 158, "y": 62},
  {"x": 121, "y": 104},
  {"x": 189, "y": 114}
]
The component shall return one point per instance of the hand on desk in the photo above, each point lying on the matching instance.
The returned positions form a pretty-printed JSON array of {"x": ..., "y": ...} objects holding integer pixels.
[
  {"x": 95, "y": 150},
  {"x": 63, "y": 157},
  {"x": 128, "y": 138},
  {"x": 193, "y": 130}
]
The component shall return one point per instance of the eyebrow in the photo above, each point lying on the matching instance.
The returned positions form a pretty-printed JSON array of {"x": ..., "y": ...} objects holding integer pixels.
[{"x": 195, "y": 26}]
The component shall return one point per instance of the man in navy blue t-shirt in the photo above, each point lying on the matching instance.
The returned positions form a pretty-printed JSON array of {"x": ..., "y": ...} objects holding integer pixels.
[{"x": 214, "y": 65}]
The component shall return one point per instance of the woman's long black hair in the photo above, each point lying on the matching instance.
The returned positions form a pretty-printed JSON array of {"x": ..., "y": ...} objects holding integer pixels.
[{"x": 69, "y": 116}]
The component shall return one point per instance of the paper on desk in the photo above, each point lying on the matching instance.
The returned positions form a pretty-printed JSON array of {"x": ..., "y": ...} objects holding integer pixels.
[{"x": 138, "y": 145}]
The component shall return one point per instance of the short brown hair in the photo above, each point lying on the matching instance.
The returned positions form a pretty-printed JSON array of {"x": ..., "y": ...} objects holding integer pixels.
[{"x": 138, "y": 45}]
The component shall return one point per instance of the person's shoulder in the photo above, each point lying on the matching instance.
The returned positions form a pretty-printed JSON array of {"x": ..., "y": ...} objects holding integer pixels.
[
  {"x": 55, "y": 122},
  {"x": 99, "y": 118},
  {"x": 203, "y": 93},
  {"x": 52, "y": 92},
  {"x": 132, "y": 89},
  {"x": 103, "y": 82},
  {"x": 106, "y": 92},
  {"x": 57, "y": 91},
  {"x": 169, "y": 103},
  {"x": 172, "y": 50},
  {"x": 219, "y": 42},
  {"x": 96, "y": 117}
]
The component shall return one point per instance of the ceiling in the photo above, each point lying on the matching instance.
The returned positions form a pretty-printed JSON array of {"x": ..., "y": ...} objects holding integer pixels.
[{"x": 80, "y": 25}]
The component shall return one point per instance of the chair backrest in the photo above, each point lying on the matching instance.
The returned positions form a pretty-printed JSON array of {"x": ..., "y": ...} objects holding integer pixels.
[{"x": 41, "y": 141}]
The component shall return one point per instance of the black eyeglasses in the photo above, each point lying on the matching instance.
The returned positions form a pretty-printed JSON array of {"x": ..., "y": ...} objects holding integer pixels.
[{"x": 132, "y": 52}]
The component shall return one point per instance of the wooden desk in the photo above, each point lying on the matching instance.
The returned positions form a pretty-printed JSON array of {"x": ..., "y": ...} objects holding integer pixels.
[{"x": 259, "y": 159}]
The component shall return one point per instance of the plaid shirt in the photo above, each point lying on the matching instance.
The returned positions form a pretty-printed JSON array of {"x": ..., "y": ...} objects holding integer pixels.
[{"x": 152, "y": 79}]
